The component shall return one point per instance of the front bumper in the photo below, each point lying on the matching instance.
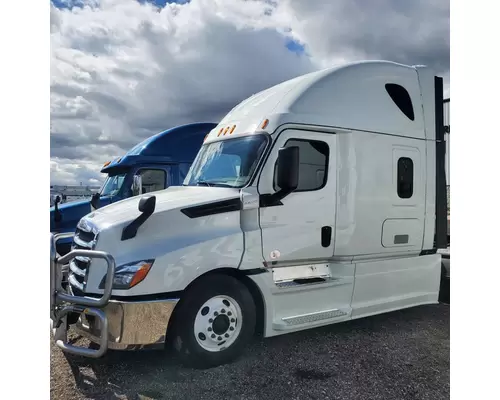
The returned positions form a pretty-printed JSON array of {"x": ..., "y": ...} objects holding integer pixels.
[
  {"x": 109, "y": 323},
  {"x": 131, "y": 325}
]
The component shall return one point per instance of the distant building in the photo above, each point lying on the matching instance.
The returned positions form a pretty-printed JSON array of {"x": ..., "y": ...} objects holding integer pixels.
[{"x": 68, "y": 193}]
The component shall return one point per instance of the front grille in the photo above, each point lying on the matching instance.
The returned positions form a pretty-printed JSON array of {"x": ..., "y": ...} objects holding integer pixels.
[{"x": 85, "y": 238}]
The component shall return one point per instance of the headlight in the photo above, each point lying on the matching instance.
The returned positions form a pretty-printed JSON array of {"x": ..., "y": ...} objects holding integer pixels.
[{"x": 129, "y": 275}]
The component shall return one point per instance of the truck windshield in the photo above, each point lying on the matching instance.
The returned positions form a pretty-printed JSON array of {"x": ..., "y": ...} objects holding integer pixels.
[
  {"x": 228, "y": 163},
  {"x": 112, "y": 184}
]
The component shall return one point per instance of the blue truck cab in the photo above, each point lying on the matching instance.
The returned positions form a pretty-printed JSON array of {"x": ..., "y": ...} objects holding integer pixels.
[{"x": 156, "y": 163}]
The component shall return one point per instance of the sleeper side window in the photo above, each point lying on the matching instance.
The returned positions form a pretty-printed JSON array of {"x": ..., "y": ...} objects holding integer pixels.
[
  {"x": 313, "y": 167},
  {"x": 405, "y": 177}
]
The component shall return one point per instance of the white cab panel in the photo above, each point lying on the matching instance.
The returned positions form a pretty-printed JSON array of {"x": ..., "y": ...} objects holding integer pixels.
[
  {"x": 368, "y": 194},
  {"x": 391, "y": 284}
]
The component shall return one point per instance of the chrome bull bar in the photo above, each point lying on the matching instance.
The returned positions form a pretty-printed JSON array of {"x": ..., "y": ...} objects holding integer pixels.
[{"x": 63, "y": 303}]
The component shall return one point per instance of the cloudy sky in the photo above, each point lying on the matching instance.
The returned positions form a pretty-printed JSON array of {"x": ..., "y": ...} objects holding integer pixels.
[{"x": 122, "y": 70}]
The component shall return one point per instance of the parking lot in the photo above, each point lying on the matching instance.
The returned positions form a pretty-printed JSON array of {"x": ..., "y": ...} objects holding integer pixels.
[{"x": 399, "y": 355}]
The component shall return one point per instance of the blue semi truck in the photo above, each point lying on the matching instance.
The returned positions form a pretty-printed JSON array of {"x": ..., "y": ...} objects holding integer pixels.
[{"x": 154, "y": 164}]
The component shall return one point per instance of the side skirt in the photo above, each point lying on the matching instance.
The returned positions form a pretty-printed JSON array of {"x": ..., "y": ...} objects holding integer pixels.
[{"x": 306, "y": 296}]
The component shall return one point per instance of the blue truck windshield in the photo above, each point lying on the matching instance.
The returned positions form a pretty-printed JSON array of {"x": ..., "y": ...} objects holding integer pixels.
[
  {"x": 112, "y": 185},
  {"x": 228, "y": 163}
]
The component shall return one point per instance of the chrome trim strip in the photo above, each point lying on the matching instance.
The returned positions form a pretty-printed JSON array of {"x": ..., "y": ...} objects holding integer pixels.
[
  {"x": 288, "y": 284},
  {"x": 306, "y": 271},
  {"x": 72, "y": 280},
  {"x": 80, "y": 242},
  {"x": 383, "y": 257},
  {"x": 343, "y": 259},
  {"x": 75, "y": 269},
  {"x": 86, "y": 226}
]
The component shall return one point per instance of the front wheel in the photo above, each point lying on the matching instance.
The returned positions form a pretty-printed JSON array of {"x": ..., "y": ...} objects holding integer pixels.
[{"x": 214, "y": 322}]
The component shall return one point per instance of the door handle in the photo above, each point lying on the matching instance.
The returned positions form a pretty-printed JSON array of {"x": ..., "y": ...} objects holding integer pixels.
[{"x": 326, "y": 236}]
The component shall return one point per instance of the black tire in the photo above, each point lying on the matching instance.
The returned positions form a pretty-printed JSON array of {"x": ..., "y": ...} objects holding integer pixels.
[{"x": 183, "y": 337}]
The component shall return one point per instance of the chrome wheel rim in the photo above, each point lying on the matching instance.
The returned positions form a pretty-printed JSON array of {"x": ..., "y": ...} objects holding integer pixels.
[{"x": 218, "y": 323}]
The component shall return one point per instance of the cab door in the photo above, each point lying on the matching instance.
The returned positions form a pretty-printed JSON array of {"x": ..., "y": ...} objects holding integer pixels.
[{"x": 301, "y": 228}]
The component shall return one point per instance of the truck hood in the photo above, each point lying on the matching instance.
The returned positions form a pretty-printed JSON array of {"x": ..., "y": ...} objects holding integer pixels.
[
  {"x": 182, "y": 246},
  {"x": 174, "y": 197}
]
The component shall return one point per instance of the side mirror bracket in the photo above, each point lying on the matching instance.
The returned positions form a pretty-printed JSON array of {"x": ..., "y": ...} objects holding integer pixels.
[
  {"x": 147, "y": 206},
  {"x": 57, "y": 212},
  {"x": 95, "y": 200}
]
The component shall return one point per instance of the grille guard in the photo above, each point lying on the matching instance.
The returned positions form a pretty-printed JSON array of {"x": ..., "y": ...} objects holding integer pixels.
[{"x": 63, "y": 303}]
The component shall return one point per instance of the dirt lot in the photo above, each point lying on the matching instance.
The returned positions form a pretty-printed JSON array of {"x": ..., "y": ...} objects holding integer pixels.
[{"x": 400, "y": 355}]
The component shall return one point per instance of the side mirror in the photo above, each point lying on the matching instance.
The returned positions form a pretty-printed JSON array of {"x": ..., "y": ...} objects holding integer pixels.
[
  {"x": 287, "y": 177},
  {"x": 94, "y": 201},
  {"x": 147, "y": 204},
  {"x": 288, "y": 169},
  {"x": 137, "y": 185},
  {"x": 57, "y": 212}
]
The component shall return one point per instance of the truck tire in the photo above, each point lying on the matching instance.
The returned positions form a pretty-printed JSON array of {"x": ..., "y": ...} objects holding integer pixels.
[{"x": 214, "y": 321}]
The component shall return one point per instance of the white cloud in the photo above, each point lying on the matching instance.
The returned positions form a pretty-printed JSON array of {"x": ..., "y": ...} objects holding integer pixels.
[{"x": 121, "y": 71}]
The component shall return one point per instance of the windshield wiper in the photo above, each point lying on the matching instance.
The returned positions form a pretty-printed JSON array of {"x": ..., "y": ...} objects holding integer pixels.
[
  {"x": 213, "y": 184},
  {"x": 203, "y": 183}
]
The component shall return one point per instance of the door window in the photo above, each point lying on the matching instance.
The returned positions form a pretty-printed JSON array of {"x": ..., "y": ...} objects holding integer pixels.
[
  {"x": 152, "y": 180},
  {"x": 313, "y": 167}
]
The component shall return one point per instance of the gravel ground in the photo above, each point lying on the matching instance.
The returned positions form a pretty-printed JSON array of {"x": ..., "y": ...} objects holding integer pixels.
[{"x": 399, "y": 355}]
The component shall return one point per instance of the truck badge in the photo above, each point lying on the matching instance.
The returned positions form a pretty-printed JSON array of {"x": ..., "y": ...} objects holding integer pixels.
[{"x": 275, "y": 254}]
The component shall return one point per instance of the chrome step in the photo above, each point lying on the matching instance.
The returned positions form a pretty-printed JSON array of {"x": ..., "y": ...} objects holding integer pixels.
[{"x": 313, "y": 317}]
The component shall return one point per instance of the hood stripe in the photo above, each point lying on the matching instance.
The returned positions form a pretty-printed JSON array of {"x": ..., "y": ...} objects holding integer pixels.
[{"x": 217, "y": 207}]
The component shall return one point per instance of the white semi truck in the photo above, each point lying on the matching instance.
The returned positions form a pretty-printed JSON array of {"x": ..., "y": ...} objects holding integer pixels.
[{"x": 316, "y": 201}]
